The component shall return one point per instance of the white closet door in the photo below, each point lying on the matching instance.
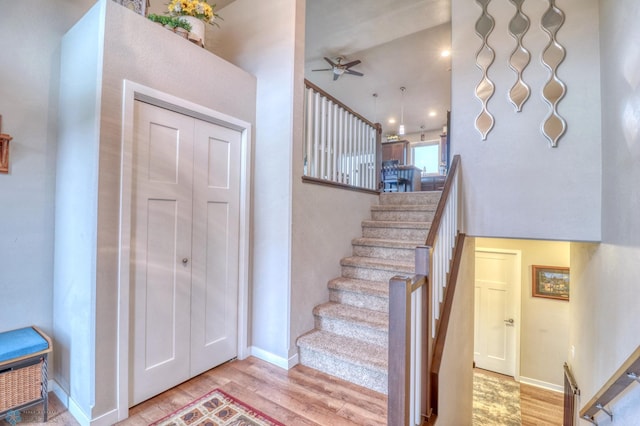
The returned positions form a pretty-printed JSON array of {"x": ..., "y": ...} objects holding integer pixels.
[
  {"x": 214, "y": 299},
  {"x": 185, "y": 242},
  {"x": 161, "y": 250}
]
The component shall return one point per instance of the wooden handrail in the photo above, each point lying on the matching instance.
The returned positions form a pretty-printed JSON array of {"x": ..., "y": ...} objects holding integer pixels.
[
  {"x": 443, "y": 324},
  {"x": 442, "y": 203},
  {"x": 310, "y": 85},
  {"x": 623, "y": 377}
]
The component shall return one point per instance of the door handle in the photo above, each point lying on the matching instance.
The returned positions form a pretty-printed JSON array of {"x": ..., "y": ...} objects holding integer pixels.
[
  {"x": 509, "y": 321},
  {"x": 185, "y": 261}
]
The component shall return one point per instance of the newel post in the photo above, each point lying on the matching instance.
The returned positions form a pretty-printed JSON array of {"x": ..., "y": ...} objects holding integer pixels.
[{"x": 399, "y": 351}]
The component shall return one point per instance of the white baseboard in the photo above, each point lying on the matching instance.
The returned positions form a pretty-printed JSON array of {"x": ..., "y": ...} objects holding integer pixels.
[
  {"x": 59, "y": 392},
  {"x": 77, "y": 413},
  {"x": 281, "y": 362},
  {"x": 106, "y": 419},
  {"x": 541, "y": 384}
]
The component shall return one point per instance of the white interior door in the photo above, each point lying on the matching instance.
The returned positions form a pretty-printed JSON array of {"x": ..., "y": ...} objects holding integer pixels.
[
  {"x": 495, "y": 323},
  {"x": 184, "y": 256}
]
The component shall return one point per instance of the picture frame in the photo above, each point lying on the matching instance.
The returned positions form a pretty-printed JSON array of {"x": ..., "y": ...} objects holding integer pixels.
[{"x": 551, "y": 282}]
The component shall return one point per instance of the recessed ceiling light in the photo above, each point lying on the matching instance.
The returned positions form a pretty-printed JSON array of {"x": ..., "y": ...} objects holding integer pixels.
[
  {"x": 432, "y": 114},
  {"x": 392, "y": 121},
  {"x": 445, "y": 53}
]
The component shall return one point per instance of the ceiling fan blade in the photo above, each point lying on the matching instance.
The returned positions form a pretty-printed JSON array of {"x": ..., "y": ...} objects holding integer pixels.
[
  {"x": 329, "y": 61},
  {"x": 324, "y": 69},
  {"x": 352, "y": 63},
  {"x": 354, "y": 72}
]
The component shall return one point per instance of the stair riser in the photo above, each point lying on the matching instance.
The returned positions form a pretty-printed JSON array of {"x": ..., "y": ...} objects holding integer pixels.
[
  {"x": 410, "y": 198},
  {"x": 384, "y": 252},
  {"x": 359, "y": 300},
  {"x": 403, "y": 215},
  {"x": 352, "y": 330},
  {"x": 402, "y": 234},
  {"x": 371, "y": 274},
  {"x": 371, "y": 379}
]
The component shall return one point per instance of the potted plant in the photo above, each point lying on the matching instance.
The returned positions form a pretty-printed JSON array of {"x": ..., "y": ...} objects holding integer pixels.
[{"x": 197, "y": 13}]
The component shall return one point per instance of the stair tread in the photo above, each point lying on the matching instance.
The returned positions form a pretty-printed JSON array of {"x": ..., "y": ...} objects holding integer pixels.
[
  {"x": 378, "y": 263},
  {"x": 384, "y": 242},
  {"x": 346, "y": 348},
  {"x": 395, "y": 224},
  {"x": 376, "y": 288},
  {"x": 404, "y": 207},
  {"x": 362, "y": 316}
]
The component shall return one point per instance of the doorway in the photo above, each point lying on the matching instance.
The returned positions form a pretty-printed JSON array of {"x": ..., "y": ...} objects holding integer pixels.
[{"x": 497, "y": 310}]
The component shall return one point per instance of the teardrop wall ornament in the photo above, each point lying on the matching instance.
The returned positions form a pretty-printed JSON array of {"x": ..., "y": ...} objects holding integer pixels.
[
  {"x": 520, "y": 58},
  {"x": 484, "y": 59},
  {"x": 554, "y": 125}
]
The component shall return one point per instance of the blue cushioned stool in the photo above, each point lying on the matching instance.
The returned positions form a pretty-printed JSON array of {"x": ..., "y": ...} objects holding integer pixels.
[{"x": 23, "y": 370}]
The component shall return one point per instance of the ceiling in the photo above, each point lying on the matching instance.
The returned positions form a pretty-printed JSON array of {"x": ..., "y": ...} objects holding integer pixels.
[{"x": 399, "y": 43}]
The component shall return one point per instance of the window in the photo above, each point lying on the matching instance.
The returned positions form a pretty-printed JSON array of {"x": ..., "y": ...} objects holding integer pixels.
[{"x": 427, "y": 157}]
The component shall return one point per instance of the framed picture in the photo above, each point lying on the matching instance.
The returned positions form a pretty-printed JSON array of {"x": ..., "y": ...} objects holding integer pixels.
[{"x": 551, "y": 282}]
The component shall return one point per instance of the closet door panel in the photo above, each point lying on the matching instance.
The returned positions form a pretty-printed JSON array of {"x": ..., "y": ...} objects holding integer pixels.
[
  {"x": 161, "y": 250},
  {"x": 214, "y": 326}
]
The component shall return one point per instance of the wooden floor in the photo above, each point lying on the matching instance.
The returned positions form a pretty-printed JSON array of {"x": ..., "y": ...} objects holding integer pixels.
[{"x": 300, "y": 396}]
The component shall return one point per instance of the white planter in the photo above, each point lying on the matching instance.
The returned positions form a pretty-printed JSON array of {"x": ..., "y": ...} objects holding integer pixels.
[{"x": 197, "y": 29}]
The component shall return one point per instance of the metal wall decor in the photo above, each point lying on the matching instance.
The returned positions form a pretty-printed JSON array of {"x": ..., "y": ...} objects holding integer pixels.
[
  {"x": 518, "y": 27},
  {"x": 554, "y": 125},
  {"x": 484, "y": 59}
]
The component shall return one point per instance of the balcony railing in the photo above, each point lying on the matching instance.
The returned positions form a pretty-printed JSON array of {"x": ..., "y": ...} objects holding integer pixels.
[{"x": 341, "y": 146}]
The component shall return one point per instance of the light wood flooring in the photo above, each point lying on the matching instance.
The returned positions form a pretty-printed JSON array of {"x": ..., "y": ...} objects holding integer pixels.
[{"x": 298, "y": 397}]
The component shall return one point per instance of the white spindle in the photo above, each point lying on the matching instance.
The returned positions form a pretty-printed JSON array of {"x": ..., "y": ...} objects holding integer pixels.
[
  {"x": 338, "y": 146},
  {"x": 340, "y": 151},
  {"x": 316, "y": 135},
  {"x": 309, "y": 131}
]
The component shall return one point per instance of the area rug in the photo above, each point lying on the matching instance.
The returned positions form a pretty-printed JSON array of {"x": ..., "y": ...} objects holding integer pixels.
[
  {"x": 496, "y": 401},
  {"x": 217, "y": 408}
]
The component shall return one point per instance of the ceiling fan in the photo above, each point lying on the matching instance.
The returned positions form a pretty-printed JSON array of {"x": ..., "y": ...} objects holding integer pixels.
[{"x": 339, "y": 68}]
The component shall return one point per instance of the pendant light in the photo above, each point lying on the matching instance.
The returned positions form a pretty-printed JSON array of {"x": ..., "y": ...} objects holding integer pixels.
[{"x": 401, "y": 129}]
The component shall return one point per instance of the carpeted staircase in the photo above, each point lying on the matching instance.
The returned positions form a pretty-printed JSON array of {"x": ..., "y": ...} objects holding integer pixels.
[{"x": 350, "y": 339}]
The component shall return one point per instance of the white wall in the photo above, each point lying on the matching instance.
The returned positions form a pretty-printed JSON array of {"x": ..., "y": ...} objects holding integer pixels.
[
  {"x": 30, "y": 46},
  {"x": 604, "y": 309},
  {"x": 516, "y": 186},
  {"x": 544, "y": 328}
]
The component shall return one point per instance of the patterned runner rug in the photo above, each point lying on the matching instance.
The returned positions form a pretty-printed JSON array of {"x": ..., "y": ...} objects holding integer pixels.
[
  {"x": 217, "y": 408},
  {"x": 496, "y": 401}
]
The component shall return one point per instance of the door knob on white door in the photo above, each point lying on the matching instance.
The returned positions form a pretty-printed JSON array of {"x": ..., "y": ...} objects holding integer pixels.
[
  {"x": 509, "y": 321},
  {"x": 185, "y": 261}
]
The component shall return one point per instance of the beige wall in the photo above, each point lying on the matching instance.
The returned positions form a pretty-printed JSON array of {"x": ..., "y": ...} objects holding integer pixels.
[
  {"x": 456, "y": 372},
  {"x": 515, "y": 185},
  {"x": 544, "y": 328},
  {"x": 604, "y": 309}
]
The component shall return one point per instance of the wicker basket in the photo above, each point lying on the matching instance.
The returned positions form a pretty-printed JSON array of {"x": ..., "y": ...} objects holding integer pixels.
[{"x": 20, "y": 386}]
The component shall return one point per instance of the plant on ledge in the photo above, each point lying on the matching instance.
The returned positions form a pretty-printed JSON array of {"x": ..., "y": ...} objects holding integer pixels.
[
  {"x": 170, "y": 21},
  {"x": 199, "y": 9}
]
